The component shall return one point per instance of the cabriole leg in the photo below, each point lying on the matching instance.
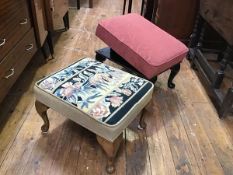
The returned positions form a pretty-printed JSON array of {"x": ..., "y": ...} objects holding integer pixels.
[
  {"x": 110, "y": 149},
  {"x": 42, "y": 111},
  {"x": 142, "y": 123},
  {"x": 174, "y": 71}
]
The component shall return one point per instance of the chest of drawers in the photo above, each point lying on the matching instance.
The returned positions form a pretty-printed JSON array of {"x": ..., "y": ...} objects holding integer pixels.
[{"x": 17, "y": 42}]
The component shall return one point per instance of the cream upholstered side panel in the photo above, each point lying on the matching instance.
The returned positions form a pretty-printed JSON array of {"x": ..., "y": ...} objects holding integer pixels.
[
  {"x": 108, "y": 132},
  {"x": 99, "y": 97}
]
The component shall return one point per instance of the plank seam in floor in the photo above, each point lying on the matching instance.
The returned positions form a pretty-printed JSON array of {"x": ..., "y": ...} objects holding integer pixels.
[
  {"x": 13, "y": 140},
  {"x": 178, "y": 104}
]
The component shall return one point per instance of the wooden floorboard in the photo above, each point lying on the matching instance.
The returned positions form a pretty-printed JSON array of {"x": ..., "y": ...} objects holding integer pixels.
[
  {"x": 137, "y": 155},
  {"x": 218, "y": 136},
  {"x": 201, "y": 145},
  {"x": 183, "y": 136},
  {"x": 159, "y": 150},
  {"x": 181, "y": 150},
  {"x": 228, "y": 124}
]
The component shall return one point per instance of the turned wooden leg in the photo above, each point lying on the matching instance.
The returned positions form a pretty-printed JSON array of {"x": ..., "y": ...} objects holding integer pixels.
[
  {"x": 142, "y": 123},
  {"x": 142, "y": 6},
  {"x": 66, "y": 21},
  {"x": 78, "y": 4},
  {"x": 130, "y": 6},
  {"x": 124, "y": 5},
  {"x": 110, "y": 149},
  {"x": 151, "y": 8},
  {"x": 174, "y": 71},
  {"x": 194, "y": 38},
  {"x": 42, "y": 111},
  {"x": 49, "y": 41},
  {"x": 90, "y": 3},
  {"x": 47, "y": 44},
  {"x": 219, "y": 76}
]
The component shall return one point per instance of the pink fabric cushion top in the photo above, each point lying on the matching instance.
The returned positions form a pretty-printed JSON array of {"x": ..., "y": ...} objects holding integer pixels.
[{"x": 145, "y": 46}]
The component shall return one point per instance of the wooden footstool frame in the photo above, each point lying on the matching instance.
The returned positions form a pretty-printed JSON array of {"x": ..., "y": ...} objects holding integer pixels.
[
  {"x": 110, "y": 54},
  {"x": 110, "y": 146}
]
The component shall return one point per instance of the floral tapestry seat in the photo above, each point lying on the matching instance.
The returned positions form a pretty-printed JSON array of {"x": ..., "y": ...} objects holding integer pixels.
[{"x": 99, "y": 97}]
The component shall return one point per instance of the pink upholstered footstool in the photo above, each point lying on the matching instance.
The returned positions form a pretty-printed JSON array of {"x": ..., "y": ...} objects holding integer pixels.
[{"x": 143, "y": 45}]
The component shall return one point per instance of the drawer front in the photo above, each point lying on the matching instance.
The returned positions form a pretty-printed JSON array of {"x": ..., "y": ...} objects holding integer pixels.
[
  {"x": 14, "y": 24},
  {"x": 14, "y": 63}
]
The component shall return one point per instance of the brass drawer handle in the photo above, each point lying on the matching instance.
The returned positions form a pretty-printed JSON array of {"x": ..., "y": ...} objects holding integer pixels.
[
  {"x": 24, "y": 21},
  {"x": 11, "y": 74},
  {"x": 30, "y": 47},
  {"x": 3, "y": 42}
]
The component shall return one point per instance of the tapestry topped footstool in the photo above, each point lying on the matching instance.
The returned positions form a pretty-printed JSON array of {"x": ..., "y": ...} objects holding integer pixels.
[{"x": 101, "y": 98}]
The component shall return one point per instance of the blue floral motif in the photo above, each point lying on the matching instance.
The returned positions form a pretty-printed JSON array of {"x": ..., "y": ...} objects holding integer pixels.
[
  {"x": 51, "y": 82},
  {"x": 95, "y": 88}
]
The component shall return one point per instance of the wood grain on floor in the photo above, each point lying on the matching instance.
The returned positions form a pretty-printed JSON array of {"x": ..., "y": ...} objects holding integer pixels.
[{"x": 184, "y": 134}]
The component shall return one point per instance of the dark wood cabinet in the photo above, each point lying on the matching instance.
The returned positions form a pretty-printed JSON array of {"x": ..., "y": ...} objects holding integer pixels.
[
  {"x": 213, "y": 61},
  {"x": 15, "y": 22},
  {"x": 219, "y": 14},
  {"x": 177, "y": 17},
  {"x": 25, "y": 27},
  {"x": 17, "y": 41},
  {"x": 174, "y": 16}
]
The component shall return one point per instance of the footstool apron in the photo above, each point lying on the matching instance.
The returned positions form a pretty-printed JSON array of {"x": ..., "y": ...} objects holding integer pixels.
[{"x": 101, "y": 98}]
